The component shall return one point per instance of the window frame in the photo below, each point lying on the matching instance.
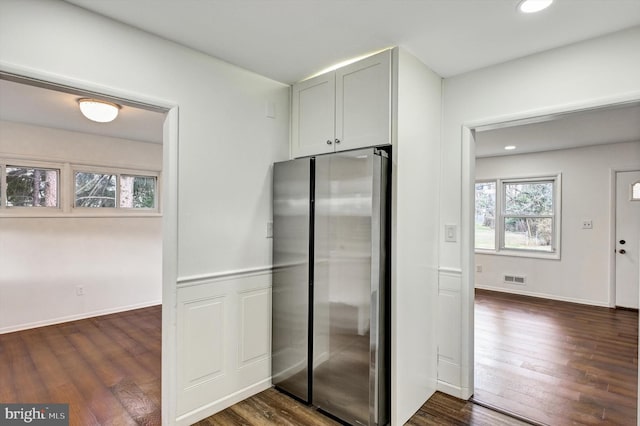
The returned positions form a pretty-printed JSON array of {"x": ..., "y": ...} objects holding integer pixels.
[
  {"x": 501, "y": 216},
  {"x": 66, "y": 190},
  {"x": 118, "y": 172}
]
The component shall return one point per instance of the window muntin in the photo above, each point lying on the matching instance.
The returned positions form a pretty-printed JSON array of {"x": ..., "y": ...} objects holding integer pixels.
[
  {"x": 31, "y": 186},
  {"x": 526, "y": 213},
  {"x": 485, "y": 217}
]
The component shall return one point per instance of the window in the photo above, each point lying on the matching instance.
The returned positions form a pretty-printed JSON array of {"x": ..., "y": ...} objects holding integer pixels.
[
  {"x": 635, "y": 192},
  {"x": 95, "y": 190},
  {"x": 30, "y": 187},
  {"x": 526, "y": 222},
  {"x": 137, "y": 192},
  {"x": 527, "y": 216},
  {"x": 34, "y": 188},
  {"x": 111, "y": 190},
  {"x": 486, "y": 215}
]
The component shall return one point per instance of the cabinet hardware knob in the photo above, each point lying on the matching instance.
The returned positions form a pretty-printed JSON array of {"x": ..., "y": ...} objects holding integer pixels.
[
  {"x": 337, "y": 140},
  {"x": 329, "y": 142},
  {"x": 623, "y": 242},
  {"x": 622, "y": 251}
]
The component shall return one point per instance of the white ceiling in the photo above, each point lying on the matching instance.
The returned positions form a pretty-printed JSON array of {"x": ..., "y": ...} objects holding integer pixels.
[
  {"x": 595, "y": 127},
  {"x": 288, "y": 40},
  {"x": 24, "y": 103}
]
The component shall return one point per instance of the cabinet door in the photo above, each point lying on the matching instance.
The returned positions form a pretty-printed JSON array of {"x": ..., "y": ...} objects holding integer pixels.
[
  {"x": 313, "y": 113},
  {"x": 363, "y": 103}
]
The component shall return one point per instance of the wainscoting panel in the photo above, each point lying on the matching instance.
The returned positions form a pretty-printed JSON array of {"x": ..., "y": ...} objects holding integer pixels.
[
  {"x": 255, "y": 343},
  {"x": 224, "y": 341},
  {"x": 449, "y": 330},
  {"x": 204, "y": 339}
]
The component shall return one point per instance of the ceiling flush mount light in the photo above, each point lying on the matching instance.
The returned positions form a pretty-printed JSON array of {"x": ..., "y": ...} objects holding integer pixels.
[
  {"x": 97, "y": 110},
  {"x": 510, "y": 147},
  {"x": 533, "y": 6}
]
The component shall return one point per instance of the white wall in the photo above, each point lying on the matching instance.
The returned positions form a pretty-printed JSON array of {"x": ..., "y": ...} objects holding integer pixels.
[
  {"x": 582, "y": 273},
  {"x": 593, "y": 72},
  {"x": 414, "y": 285},
  {"x": 118, "y": 260},
  {"x": 226, "y": 146}
]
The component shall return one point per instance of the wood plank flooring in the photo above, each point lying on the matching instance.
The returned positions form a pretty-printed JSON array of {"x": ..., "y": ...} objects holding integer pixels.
[
  {"x": 106, "y": 368},
  {"x": 274, "y": 408},
  {"x": 555, "y": 362}
]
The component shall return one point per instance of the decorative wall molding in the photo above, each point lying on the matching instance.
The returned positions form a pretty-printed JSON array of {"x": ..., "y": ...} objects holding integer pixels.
[
  {"x": 449, "y": 334},
  {"x": 192, "y": 280},
  {"x": 449, "y": 271},
  {"x": 223, "y": 343}
]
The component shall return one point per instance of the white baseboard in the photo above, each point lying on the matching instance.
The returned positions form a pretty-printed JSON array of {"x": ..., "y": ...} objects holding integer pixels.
[
  {"x": 450, "y": 389},
  {"x": 543, "y": 295},
  {"x": 84, "y": 315},
  {"x": 226, "y": 402}
]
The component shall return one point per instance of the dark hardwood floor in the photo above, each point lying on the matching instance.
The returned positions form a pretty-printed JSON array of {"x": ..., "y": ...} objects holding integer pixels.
[
  {"x": 274, "y": 408},
  {"x": 555, "y": 362},
  {"x": 106, "y": 368}
]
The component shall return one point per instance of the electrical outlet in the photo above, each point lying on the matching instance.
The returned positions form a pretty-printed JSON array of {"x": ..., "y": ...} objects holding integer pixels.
[
  {"x": 478, "y": 268},
  {"x": 587, "y": 224},
  {"x": 79, "y": 290}
]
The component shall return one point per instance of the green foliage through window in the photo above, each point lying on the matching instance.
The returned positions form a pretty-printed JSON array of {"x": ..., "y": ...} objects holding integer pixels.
[
  {"x": 525, "y": 212},
  {"x": 137, "y": 192}
]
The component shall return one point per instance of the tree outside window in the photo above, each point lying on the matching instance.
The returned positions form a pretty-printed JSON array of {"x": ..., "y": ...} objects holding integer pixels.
[
  {"x": 528, "y": 215},
  {"x": 522, "y": 218},
  {"x": 31, "y": 187}
]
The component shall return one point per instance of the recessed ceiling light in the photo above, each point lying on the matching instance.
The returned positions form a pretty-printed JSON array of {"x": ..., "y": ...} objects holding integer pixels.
[
  {"x": 532, "y": 6},
  {"x": 510, "y": 147},
  {"x": 97, "y": 110}
]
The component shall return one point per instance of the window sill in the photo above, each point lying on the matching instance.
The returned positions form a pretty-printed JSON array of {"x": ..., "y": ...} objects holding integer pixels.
[{"x": 524, "y": 254}]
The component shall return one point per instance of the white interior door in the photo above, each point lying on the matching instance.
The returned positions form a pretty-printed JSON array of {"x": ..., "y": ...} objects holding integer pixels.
[{"x": 627, "y": 238}]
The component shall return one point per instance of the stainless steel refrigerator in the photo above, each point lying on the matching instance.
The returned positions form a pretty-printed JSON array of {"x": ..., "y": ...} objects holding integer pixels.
[{"x": 330, "y": 340}]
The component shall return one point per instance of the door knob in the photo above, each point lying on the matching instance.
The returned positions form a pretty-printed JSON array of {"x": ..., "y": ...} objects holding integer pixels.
[
  {"x": 622, "y": 251},
  {"x": 622, "y": 241},
  {"x": 329, "y": 142},
  {"x": 337, "y": 140}
]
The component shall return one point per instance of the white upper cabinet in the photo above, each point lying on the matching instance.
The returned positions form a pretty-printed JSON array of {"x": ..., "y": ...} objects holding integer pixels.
[
  {"x": 312, "y": 115},
  {"x": 344, "y": 109}
]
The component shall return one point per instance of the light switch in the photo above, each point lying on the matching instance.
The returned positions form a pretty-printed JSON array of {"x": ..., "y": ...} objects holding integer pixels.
[
  {"x": 450, "y": 233},
  {"x": 269, "y": 229}
]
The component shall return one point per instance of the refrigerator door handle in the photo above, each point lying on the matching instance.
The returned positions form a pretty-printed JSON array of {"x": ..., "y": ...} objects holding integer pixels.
[{"x": 377, "y": 365}]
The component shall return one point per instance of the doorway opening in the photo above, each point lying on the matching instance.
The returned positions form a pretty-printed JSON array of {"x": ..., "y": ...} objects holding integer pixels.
[
  {"x": 84, "y": 209},
  {"x": 542, "y": 263}
]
